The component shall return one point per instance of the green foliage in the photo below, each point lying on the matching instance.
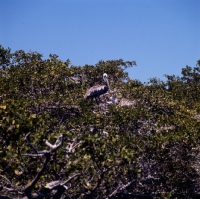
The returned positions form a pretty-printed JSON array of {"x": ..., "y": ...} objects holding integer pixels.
[{"x": 147, "y": 148}]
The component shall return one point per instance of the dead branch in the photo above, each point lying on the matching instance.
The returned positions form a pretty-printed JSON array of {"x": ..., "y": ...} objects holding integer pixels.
[
  {"x": 71, "y": 146},
  {"x": 55, "y": 184},
  {"x": 46, "y": 154},
  {"x": 119, "y": 188}
]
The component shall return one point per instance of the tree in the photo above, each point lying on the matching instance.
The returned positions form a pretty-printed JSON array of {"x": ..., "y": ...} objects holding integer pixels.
[{"x": 148, "y": 148}]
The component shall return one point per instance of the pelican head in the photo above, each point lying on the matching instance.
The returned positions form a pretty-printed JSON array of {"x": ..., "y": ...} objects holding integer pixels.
[
  {"x": 105, "y": 75},
  {"x": 105, "y": 78}
]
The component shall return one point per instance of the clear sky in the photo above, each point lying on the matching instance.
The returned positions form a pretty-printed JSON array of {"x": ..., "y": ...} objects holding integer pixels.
[{"x": 163, "y": 36}]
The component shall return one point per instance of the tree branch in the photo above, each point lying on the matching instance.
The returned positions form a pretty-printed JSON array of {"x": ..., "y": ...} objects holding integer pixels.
[
  {"x": 47, "y": 155},
  {"x": 55, "y": 184}
]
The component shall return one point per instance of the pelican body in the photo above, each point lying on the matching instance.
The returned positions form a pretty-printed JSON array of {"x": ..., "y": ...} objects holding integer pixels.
[{"x": 96, "y": 91}]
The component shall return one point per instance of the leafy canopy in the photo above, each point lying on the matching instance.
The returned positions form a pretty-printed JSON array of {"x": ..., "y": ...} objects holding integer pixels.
[{"x": 111, "y": 150}]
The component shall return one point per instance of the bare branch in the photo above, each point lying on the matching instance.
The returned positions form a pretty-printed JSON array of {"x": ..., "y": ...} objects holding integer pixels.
[
  {"x": 33, "y": 155},
  {"x": 5, "y": 179},
  {"x": 71, "y": 147},
  {"x": 29, "y": 143},
  {"x": 119, "y": 188},
  {"x": 75, "y": 175},
  {"x": 47, "y": 155},
  {"x": 49, "y": 144},
  {"x": 55, "y": 184},
  {"x": 39, "y": 174},
  {"x": 58, "y": 143}
]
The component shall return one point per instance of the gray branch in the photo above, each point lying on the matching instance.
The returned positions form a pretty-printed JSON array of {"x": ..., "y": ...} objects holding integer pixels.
[{"x": 47, "y": 154}]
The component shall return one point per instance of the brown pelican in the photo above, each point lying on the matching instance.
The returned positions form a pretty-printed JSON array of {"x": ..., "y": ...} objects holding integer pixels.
[{"x": 96, "y": 91}]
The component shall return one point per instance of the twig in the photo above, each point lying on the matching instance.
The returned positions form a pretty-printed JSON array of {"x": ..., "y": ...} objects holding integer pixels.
[
  {"x": 119, "y": 188},
  {"x": 57, "y": 183},
  {"x": 29, "y": 143},
  {"x": 68, "y": 180}
]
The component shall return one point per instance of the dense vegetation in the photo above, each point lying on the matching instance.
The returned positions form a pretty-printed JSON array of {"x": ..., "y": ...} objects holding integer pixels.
[{"x": 55, "y": 144}]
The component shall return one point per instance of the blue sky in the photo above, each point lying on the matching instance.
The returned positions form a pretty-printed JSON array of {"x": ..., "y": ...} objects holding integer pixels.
[{"x": 163, "y": 36}]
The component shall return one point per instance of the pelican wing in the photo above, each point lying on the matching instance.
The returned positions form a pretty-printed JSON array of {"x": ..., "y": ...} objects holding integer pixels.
[{"x": 96, "y": 91}]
